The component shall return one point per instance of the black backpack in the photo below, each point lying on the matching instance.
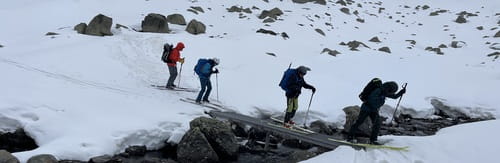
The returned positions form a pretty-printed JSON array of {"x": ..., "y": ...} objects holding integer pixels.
[
  {"x": 167, "y": 49},
  {"x": 372, "y": 85}
]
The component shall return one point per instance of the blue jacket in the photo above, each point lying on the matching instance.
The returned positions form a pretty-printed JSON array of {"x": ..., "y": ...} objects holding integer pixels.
[
  {"x": 295, "y": 84},
  {"x": 206, "y": 70},
  {"x": 376, "y": 99}
]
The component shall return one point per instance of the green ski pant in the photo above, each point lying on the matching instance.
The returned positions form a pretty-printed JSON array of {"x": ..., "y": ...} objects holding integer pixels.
[{"x": 292, "y": 104}]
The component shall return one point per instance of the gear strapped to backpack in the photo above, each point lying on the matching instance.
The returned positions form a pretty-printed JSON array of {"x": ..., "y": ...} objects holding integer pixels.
[
  {"x": 372, "y": 85},
  {"x": 285, "y": 79},
  {"x": 167, "y": 49},
  {"x": 198, "y": 67}
]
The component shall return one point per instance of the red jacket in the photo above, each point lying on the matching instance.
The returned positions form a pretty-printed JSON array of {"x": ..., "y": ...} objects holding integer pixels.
[{"x": 175, "y": 55}]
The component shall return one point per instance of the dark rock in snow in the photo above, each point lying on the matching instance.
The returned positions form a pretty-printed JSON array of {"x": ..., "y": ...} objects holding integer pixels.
[
  {"x": 51, "y": 34},
  {"x": 284, "y": 35},
  {"x": 194, "y": 147},
  {"x": 442, "y": 46},
  {"x": 195, "y": 27},
  {"x": 198, "y": 8},
  {"x": 355, "y": 44},
  {"x": 345, "y": 10},
  {"x": 480, "y": 28},
  {"x": 104, "y": 159},
  {"x": 80, "y": 28},
  {"x": 497, "y": 34},
  {"x": 330, "y": 52},
  {"x": 17, "y": 141},
  {"x": 385, "y": 49},
  {"x": 273, "y": 13},
  {"x": 425, "y": 7},
  {"x": 446, "y": 111},
  {"x": 461, "y": 19},
  {"x": 100, "y": 25},
  {"x": 267, "y": 32},
  {"x": 320, "y": 31},
  {"x": 360, "y": 20},
  {"x": 341, "y": 2},
  {"x": 322, "y": 2},
  {"x": 413, "y": 42},
  {"x": 136, "y": 150},
  {"x": 44, "y": 158},
  {"x": 176, "y": 19},
  {"x": 458, "y": 44},
  {"x": 435, "y": 13},
  {"x": 495, "y": 46},
  {"x": 496, "y": 55},
  {"x": 375, "y": 39},
  {"x": 118, "y": 26},
  {"x": 321, "y": 127},
  {"x": 219, "y": 135},
  {"x": 437, "y": 50},
  {"x": 1, "y": 46},
  {"x": 155, "y": 23},
  {"x": 269, "y": 20},
  {"x": 6, "y": 157},
  {"x": 351, "y": 113}
]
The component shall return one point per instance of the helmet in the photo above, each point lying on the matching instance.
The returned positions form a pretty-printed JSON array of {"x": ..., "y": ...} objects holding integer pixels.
[
  {"x": 390, "y": 87},
  {"x": 216, "y": 61},
  {"x": 303, "y": 69}
]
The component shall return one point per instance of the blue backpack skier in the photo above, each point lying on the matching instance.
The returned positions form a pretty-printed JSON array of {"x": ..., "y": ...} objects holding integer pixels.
[
  {"x": 292, "y": 83},
  {"x": 204, "y": 69}
]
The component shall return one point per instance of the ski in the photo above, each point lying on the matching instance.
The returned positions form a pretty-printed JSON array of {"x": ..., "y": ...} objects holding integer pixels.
[
  {"x": 294, "y": 126},
  {"x": 211, "y": 103},
  {"x": 371, "y": 145},
  {"x": 174, "y": 89},
  {"x": 208, "y": 105},
  {"x": 291, "y": 128}
]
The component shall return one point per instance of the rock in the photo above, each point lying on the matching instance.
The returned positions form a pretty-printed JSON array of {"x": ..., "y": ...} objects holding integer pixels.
[
  {"x": 198, "y": 8},
  {"x": 496, "y": 55},
  {"x": 437, "y": 50},
  {"x": 413, "y": 42},
  {"x": 284, "y": 35},
  {"x": 351, "y": 113},
  {"x": 446, "y": 111},
  {"x": 195, "y": 27},
  {"x": 169, "y": 149},
  {"x": 480, "y": 28},
  {"x": 136, "y": 150},
  {"x": 17, "y": 141},
  {"x": 239, "y": 129},
  {"x": 355, "y": 44},
  {"x": 341, "y": 2},
  {"x": 51, "y": 34},
  {"x": 155, "y": 23},
  {"x": 43, "y": 158},
  {"x": 157, "y": 160},
  {"x": 435, "y": 13},
  {"x": 80, "y": 28},
  {"x": 330, "y": 52},
  {"x": 442, "y": 46},
  {"x": 321, "y": 2},
  {"x": 321, "y": 127},
  {"x": 375, "y": 39},
  {"x": 495, "y": 46},
  {"x": 194, "y": 147},
  {"x": 6, "y": 157},
  {"x": 234, "y": 9},
  {"x": 274, "y": 13},
  {"x": 220, "y": 136},
  {"x": 1, "y": 46},
  {"x": 118, "y": 26},
  {"x": 497, "y": 34},
  {"x": 193, "y": 11},
  {"x": 360, "y": 20},
  {"x": 425, "y": 7},
  {"x": 100, "y": 25},
  {"x": 385, "y": 49},
  {"x": 461, "y": 19},
  {"x": 269, "y": 20},
  {"x": 104, "y": 159},
  {"x": 176, "y": 19},
  {"x": 458, "y": 44},
  {"x": 345, "y": 10},
  {"x": 320, "y": 31},
  {"x": 295, "y": 143},
  {"x": 267, "y": 32}
]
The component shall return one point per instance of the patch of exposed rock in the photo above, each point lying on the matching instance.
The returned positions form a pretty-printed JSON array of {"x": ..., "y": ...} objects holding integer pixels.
[
  {"x": 155, "y": 23},
  {"x": 100, "y": 25},
  {"x": 196, "y": 27}
]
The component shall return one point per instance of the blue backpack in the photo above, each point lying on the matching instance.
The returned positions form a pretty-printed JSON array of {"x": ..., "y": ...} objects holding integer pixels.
[
  {"x": 285, "y": 80},
  {"x": 199, "y": 65}
]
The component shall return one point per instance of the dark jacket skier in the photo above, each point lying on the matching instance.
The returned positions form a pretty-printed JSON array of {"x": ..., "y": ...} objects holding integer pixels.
[
  {"x": 294, "y": 83},
  {"x": 205, "y": 71}
]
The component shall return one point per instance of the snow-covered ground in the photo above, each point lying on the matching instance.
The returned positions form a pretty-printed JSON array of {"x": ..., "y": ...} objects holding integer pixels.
[{"x": 80, "y": 96}]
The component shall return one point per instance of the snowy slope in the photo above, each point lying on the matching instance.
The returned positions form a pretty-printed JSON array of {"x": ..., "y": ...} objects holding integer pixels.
[{"x": 81, "y": 96}]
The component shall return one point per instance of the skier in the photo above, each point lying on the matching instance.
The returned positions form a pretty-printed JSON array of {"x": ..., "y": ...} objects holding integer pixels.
[
  {"x": 292, "y": 82},
  {"x": 370, "y": 107},
  {"x": 204, "y": 69},
  {"x": 173, "y": 58}
]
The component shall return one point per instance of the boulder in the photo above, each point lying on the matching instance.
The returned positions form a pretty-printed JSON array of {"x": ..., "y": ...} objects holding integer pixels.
[
  {"x": 345, "y": 11},
  {"x": 385, "y": 49},
  {"x": 80, "y": 28},
  {"x": 268, "y": 20},
  {"x": 351, "y": 113},
  {"x": 104, "y": 159},
  {"x": 274, "y": 13},
  {"x": 136, "y": 150},
  {"x": 155, "y": 23},
  {"x": 321, "y": 2},
  {"x": 100, "y": 25},
  {"x": 331, "y": 52},
  {"x": 267, "y": 32},
  {"x": 375, "y": 39},
  {"x": 458, "y": 44},
  {"x": 6, "y": 157},
  {"x": 17, "y": 141},
  {"x": 461, "y": 19},
  {"x": 194, "y": 147},
  {"x": 320, "y": 31},
  {"x": 497, "y": 34},
  {"x": 355, "y": 44},
  {"x": 43, "y": 158},
  {"x": 176, "y": 19},
  {"x": 219, "y": 135},
  {"x": 321, "y": 127},
  {"x": 195, "y": 27}
]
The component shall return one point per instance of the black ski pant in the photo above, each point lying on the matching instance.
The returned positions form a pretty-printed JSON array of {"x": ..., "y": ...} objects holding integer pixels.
[
  {"x": 361, "y": 118},
  {"x": 173, "y": 75}
]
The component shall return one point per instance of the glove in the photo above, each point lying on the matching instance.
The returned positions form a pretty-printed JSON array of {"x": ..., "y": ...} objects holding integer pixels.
[
  {"x": 313, "y": 89},
  {"x": 402, "y": 91},
  {"x": 181, "y": 60},
  {"x": 216, "y": 71}
]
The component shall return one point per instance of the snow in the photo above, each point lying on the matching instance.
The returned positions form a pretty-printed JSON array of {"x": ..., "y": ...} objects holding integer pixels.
[{"x": 81, "y": 96}]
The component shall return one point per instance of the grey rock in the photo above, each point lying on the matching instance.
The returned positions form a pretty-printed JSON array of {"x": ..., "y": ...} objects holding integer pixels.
[
  {"x": 355, "y": 44},
  {"x": 320, "y": 31},
  {"x": 273, "y": 13},
  {"x": 269, "y": 20},
  {"x": 155, "y": 23},
  {"x": 80, "y": 28},
  {"x": 321, "y": 2},
  {"x": 375, "y": 39},
  {"x": 497, "y": 34},
  {"x": 495, "y": 46},
  {"x": 437, "y": 50},
  {"x": 1, "y": 46},
  {"x": 6, "y": 157},
  {"x": 461, "y": 19},
  {"x": 442, "y": 46},
  {"x": 351, "y": 113},
  {"x": 330, "y": 52},
  {"x": 446, "y": 111},
  {"x": 480, "y": 28},
  {"x": 360, "y": 20},
  {"x": 195, "y": 27},
  {"x": 385, "y": 49},
  {"x": 247, "y": 10},
  {"x": 345, "y": 11},
  {"x": 118, "y": 26},
  {"x": 284, "y": 35},
  {"x": 341, "y": 2},
  {"x": 100, "y": 25},
  {"x": 435, "y": 13},
  {"x": 43, "y": 158},
  {"x": 198, "y": 8},
  {"x": 194, "y": 147},
  {"x": 234, "y": 9},
  {"x": 425, "y": 7},
  {"x": 458, "y": 44},
  {"x": 193, "y": 11},
  {"x": 176, "y": 19},
  {"x": 413, "y": 42},
  {"x": 219, "y": 134},
  {"x": 496, "y": 55},
  {"x": 51, "y": 34},
  {"x": 104, "y": 159},
  {"x": 321, "y": 127},
  {"x": 267, "y": 32},
  {"x": 136, "y": 150}
]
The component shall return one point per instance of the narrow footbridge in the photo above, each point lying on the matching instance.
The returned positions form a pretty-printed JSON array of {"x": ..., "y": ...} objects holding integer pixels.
[{"x": 267, "y": 125}]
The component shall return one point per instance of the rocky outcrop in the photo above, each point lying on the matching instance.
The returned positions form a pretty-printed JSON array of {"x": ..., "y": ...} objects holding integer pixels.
[
  {"x": 176, "y": 19},
  {"x": 267, "y": 32},
  {"x": 458, "y": 44},
  {"x": 194, "y": 147},
  {"x": 136, "y": 150},
  {"x": 100, "y": 25},
  {"x": 461, "y": 19},
  {"x": 351, "y": 113},
  {"x": 6, "y": 157},
  {"x": 375, "y": 39},
  {"x": 17, "y": 141},
  {"x": 330, "y": 52},
  {"x": 219, "y": 135},
  {"x": 195, "y": 27},
  {"x": 239, "y": 9},
  {"x": 385, "y": 49},
  {"x": 274, "y": 13},
  {"x": 354, "y": 45},
  {"x": 105, "y": 159},
  {"x": 155, "y": 23},
  {"x": 321, "y": 2},
  {"x": 44, "y": 158}
]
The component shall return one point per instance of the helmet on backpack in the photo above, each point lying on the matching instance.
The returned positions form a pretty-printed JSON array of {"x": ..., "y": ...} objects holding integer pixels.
[
  {"x": 390, "y": 87},
  {"x": 303, "y": 69},
  {"x": 216, "y": 61}
]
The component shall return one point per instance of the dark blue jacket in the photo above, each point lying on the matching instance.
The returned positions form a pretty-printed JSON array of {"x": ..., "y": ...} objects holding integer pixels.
[
  {"x": 206, "y": 70},
  {"x": 376, "y": 99},
  {"x": 295, "y": 84}
]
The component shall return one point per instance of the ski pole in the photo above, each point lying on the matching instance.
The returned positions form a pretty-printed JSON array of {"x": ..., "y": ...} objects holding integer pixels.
[
  {"x": 180, "y": 70},
  {"x": 307, "y": 113},
  {"x": 217, "y": 84},
  {"x": 397, "y": 105}
]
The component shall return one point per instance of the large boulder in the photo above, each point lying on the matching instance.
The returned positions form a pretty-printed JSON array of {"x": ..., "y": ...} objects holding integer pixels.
[
  {"x": 194, "y": 147},
  {"x": 17, "y": 141},
  {"x": 43, "y": 158},
  {"x": 351, "y": 115},
  {"x": 100, "y": 25},
  {"x": 195, "y": 27},
  {"x": 273, "y": 13},
  {"x": 219, "y": 135},
  {"x": 155, "y": 23},
  {"x": 322, "y": 2},
  {"x": 176, "y": 19},
  {"x": 80, "y": 28},
  {"x": 6, "y": 157}
]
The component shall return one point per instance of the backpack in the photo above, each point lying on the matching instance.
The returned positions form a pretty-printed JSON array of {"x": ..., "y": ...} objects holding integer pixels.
[
  {"x": 372, "y": 85},
  {"x": 167, "y": 49},
  {"x": 285, "y": 80},
  {"x": 199, "y": 65}
]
